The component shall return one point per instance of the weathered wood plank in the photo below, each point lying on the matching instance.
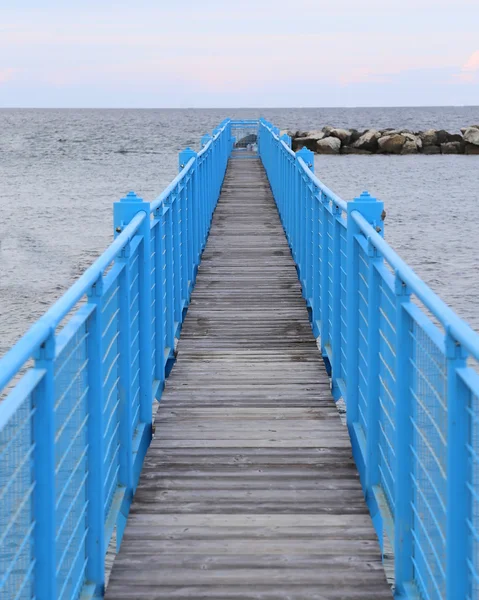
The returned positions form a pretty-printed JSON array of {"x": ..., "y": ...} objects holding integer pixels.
[{"x": 249, "y": 490}]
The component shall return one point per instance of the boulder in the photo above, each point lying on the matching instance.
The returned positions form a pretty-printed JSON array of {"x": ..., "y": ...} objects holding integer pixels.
[
  {"x": 353, "y": 150},
  {"x": 451, "y": 148},
  {"x": 368, "y": 141},
  {"x": 413, "y": 142},
  {"x": 471, "y": 149},
  {"x": 305, "y": 142},
  {"x": 464, "y": 129},
  {"x": 431, "y": 149},
  {"x": 471, "y": 136},
  {"x": 316, "y": 133},
  {"x": 355, "y": 135},
  {"x": 391, "y": 144},
  {"x": 327, "y": 130},
  {"x": 429, "y": 137},
  {"x": 328, "y": 145},
  {"x": 409, "y": 147},
  {"x": 455, "y": 137},
  {"x": 342, "y": 134},
  {"x": 442, "y": 136}
]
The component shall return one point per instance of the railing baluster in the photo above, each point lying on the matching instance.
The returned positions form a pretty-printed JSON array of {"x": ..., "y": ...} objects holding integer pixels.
[
  {"x": 458, "y": 549},
  {"x": 373, "y": 407},
  {"x": 316, "y": 274},
  {"x": 336, "y": 303},
  {"x": 189, "y": 232},
  {"x": 403, "y": 512},
  {"x": 309, "y": 235},
  {"x": 96, "y": 469},
  {"x": 170, "y": 280},
  {"x": 44, "y": 474},
  {"x": 304, "y": 235},
  {"x": 183, "y": 245},
  {"x": 124, "y": 384},
  {"x": 160, "y": 304},
  {"x": 324, "y": 276},
  {"x": 175, "y": 216}
]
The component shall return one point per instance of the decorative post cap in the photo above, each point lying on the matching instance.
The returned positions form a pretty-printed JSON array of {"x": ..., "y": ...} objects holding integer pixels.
[
  {"x": 365, "y": 197},
  {"x": 307, "y": 156},
  {"x": 185, "y": 156},
  {"x": 131, "y": 197},
  {"x": 205, "y": 139},
  {"x": 286, "y": 139},
  {"x": 370, "y": 208}
]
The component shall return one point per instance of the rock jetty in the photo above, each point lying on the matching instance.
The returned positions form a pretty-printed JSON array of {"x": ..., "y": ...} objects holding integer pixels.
[{"x": 333, "y": 140}]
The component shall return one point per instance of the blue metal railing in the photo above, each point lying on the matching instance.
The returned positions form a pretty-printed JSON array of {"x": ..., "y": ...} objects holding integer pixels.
[
  {"x": 397, "y": 356},
  {"x": 74, "y": 428}
]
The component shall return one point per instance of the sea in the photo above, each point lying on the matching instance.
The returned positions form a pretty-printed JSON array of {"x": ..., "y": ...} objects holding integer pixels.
[{"x": 61, "y": 171}]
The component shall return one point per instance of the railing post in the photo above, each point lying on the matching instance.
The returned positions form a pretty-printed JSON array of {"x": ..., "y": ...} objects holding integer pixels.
[
  {"x": 403, "y": 512},
  {"x": 458, "y": 548},
  {"x": 124, "y": 211},
  {"x": 371, "y": 209},
  {"x": 44, "y": 475},
  {"x": 95, "y": 543}
]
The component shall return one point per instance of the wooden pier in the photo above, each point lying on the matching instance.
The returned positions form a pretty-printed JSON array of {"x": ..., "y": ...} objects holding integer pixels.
[{"x": 249, "y": 490}]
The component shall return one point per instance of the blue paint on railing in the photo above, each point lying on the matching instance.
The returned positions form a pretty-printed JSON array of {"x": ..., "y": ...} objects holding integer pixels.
[
  {"x": 75, "y": 427},
  {"x": 398, "y": 357}
]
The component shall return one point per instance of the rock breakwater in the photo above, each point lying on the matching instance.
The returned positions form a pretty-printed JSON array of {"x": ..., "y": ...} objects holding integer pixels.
[{"x": 333, "y": 140}]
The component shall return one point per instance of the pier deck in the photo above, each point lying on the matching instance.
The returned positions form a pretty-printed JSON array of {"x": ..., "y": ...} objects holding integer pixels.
[{"x": 249, "y": 489}]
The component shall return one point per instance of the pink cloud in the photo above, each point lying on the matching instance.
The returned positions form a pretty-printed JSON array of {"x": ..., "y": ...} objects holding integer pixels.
[
  {"x": 469, "y": 70},
  {"x": 6, "y": 74},
  {"x": 472, "y": 63}
]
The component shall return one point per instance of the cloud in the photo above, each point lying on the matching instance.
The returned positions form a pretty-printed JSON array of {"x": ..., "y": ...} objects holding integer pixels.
[
  {"x": 469, "y": 70},
  {"x": 6, "y": 74},
  {"x": 472, "y": 63}
]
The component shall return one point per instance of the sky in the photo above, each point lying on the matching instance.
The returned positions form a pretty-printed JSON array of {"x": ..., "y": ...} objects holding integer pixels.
[{"x": 241, "y": 53}]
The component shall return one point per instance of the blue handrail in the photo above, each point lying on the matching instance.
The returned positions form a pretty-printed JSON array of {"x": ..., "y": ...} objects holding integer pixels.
[
  {"x": 397, "y": 355},
  {"x": 75, "y": 427}
]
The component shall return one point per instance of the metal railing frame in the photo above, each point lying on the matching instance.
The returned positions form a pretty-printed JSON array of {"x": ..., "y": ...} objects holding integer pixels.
[{"x": 365, "y": 301}]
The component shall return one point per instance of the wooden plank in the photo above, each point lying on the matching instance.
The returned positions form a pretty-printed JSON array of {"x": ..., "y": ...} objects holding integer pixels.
[{"x": 249, "y": 490}]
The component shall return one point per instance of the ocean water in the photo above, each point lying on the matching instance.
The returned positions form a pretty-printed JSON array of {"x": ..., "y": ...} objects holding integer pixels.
[{"x": 61, "y": 170}]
